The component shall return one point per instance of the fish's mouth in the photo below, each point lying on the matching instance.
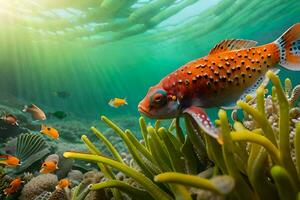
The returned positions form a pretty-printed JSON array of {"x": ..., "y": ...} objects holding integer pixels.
[{"x": 144, "y": 111}]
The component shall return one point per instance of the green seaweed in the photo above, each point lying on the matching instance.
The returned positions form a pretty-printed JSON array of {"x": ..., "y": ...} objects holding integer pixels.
[{"x": 250, "y": 164}]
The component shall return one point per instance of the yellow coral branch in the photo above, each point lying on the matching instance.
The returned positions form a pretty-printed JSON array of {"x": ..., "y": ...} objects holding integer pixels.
[
  {"x": 184, "y": 179},
  {"x": 249, "y": 136},
  {"x": 153, "y": 189}
]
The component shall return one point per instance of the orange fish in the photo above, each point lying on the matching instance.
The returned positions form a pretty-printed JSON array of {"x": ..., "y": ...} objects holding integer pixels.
[
  {"x": 51, "y": 132},
  {"x": 233, "y": 69},
  {"x": 13, "y": 186},
  {"x": 63, "y": 183},
  {"x": 9, "y": 160},
  {"x": 48, "y": 167},
  {"x": 35, "y": 112},
  {"x": 10, "y": 119},
  {"x": 117, "y": 102}
]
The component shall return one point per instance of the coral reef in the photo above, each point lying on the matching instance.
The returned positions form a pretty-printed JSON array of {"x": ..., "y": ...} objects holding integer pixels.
[
  {"x": 259, "y": 157},
  {"x": 4, "y": 182},
  {"x": 38, "y": 185}
]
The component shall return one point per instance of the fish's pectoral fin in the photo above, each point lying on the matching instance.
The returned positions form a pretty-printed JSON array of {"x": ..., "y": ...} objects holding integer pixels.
[
  {"x": 232, "y": 44},
  {"x": 203, "y": 121}
]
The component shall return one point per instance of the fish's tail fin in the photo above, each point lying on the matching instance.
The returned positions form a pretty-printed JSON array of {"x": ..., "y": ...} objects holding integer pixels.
[{"x": 289, "y": 48}]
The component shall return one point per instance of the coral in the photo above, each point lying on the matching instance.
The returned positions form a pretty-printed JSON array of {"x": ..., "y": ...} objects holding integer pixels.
[
  {"x": 93, "y": 177},
  {"x": 43, "y": 196},
  {"x": 272, "y": 114},
  {"x": 30, "y": 148},
  {"x": 58, "y": 194},
  {"x": 259, "y": 158},
  {"x": 38, "y": 185},
  {"x": 4, "y": 182},
  {"x": 82, "y": 190},
  {"x": 27, "y": 176}
]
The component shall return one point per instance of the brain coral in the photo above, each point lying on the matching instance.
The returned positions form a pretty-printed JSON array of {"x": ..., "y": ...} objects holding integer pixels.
[{"x": 38, "y": 185}]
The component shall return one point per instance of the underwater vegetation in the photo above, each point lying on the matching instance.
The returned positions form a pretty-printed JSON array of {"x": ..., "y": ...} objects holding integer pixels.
[{"x": 258, "y": 159}]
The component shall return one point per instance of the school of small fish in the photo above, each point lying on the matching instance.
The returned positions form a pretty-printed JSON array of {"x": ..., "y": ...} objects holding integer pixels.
[{"x": 48, "y": 166}]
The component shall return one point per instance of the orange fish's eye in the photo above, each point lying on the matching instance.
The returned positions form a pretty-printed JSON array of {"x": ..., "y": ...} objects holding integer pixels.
[
  {"x": 49, "y": 129},
  {"x": 159, "y": 98},
  {"x": 44, "y": 165}
]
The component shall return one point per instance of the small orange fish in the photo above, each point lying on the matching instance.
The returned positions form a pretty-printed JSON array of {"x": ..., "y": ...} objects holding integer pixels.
[
  {"x": 117, "y": 102},
  {"x": 231, "y": 70},
  {"x": 13, "y": 186},
  {"x": 63, "y": 183},
  {"x": 48, "y": 167},
  {"x": 10, "y": 119},
  {"x": 51, "y": 132},
  {"x": 35, "y": 112},
  {"x": 10, "y": 161}
]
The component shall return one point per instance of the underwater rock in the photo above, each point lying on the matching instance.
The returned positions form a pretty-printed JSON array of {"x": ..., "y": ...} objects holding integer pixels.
[
  {"x": 64, "y": 166},
  {"x": 53, "y": 158},
  {"x": 38, "y": 185},
  {"x": 92, "y": 177},
  {"x": 8, "y": 130},
  {"x": 75, "y": 177},
  {"x": 10, "y": 147}
]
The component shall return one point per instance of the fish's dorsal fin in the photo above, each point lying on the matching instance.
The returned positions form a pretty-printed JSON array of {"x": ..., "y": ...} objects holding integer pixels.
[{"x": 232, "y": 44}]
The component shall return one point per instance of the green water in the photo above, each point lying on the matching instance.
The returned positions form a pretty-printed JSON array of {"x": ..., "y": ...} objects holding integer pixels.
[{"x": 47, "y": 47}]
